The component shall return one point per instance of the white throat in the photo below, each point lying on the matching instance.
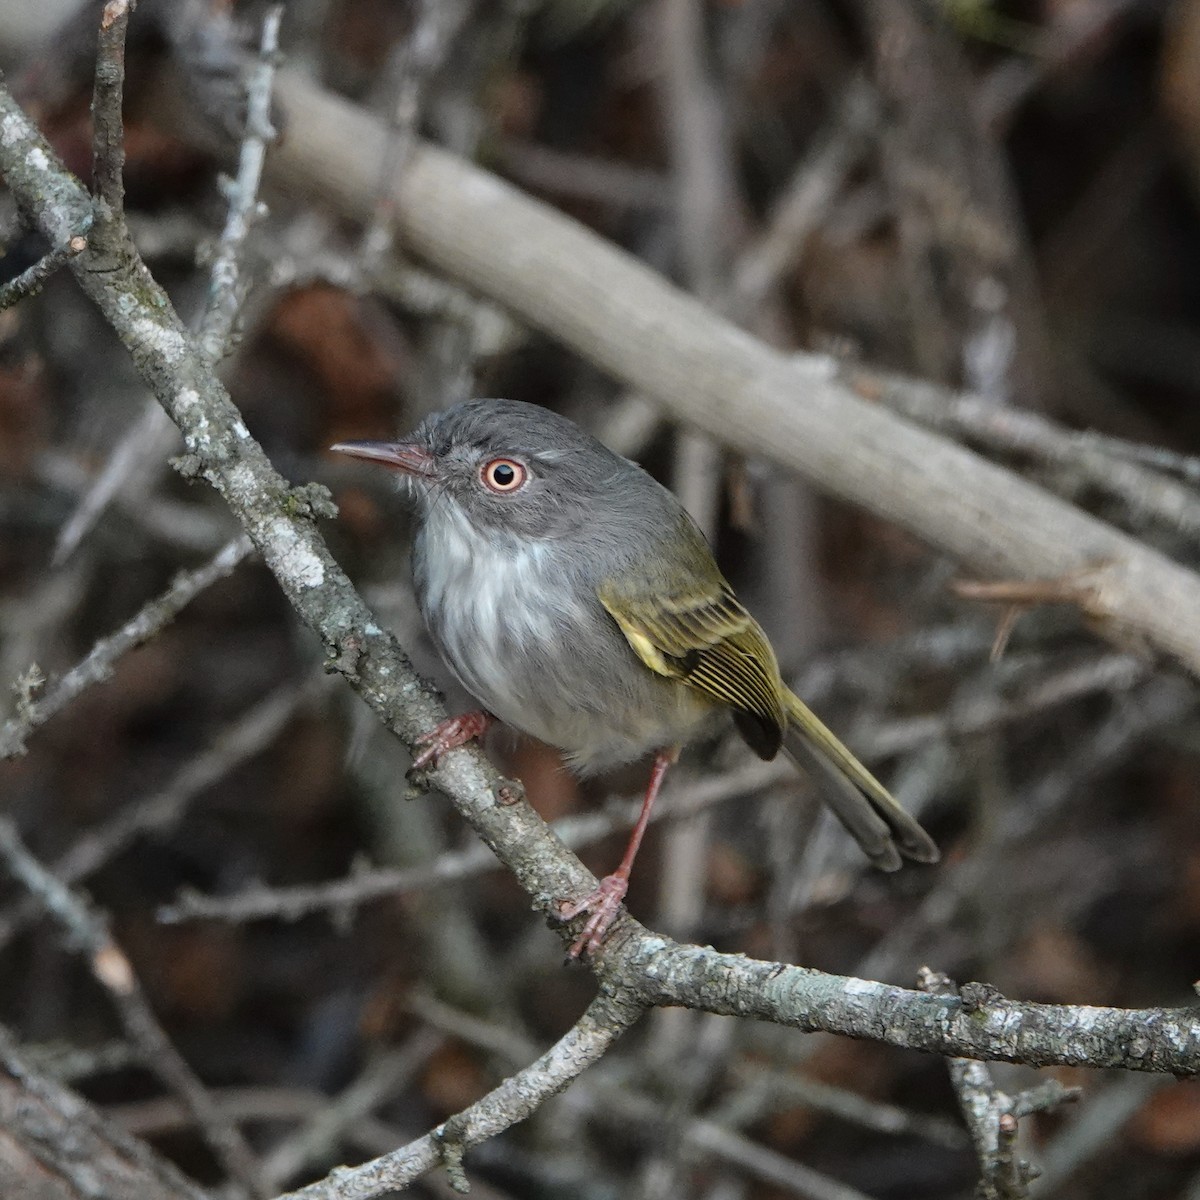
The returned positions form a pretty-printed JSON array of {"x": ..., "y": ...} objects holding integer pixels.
[{"x": 483, "y": 594}]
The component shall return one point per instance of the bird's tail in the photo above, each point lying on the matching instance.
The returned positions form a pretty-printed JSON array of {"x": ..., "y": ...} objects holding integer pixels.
[{"x": 859, "y": 801}]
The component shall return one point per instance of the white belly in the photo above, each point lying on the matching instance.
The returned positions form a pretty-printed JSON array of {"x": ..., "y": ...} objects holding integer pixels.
[{"x": 538, "y": 650}]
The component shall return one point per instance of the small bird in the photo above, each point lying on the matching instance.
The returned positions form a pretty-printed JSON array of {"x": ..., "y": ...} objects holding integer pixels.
[{"x": 572, "y": 594}]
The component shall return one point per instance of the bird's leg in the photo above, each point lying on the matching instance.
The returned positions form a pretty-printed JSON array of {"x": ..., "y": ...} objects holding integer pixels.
[
  {"x": 605, "y": 901},
  {"x": 450, "y": 734}
]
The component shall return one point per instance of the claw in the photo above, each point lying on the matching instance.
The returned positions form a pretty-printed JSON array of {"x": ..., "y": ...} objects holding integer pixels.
[
  {"x": 449, "y": 735},
  {"x": 604, "y": 904}
]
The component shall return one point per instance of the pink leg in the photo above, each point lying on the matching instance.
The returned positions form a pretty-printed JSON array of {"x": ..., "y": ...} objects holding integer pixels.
[
  {"x": 605, "y": 901},
  {"x": 451, "y": 734}
]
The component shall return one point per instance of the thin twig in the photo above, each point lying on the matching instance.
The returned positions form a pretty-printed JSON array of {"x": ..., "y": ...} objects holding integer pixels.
[
  {"x": 992, "y": 1115},
  {"x": 183, "y": 527},
  {"x": 700, "y": 1136},
  {"x": 32, "y": 278},
  {"x": 1171, "y": 462},
  {"x": 238, "y": 742},
  {"x": 316, "y": 1138},
  {"x": 494, "y": 1037},
  {"x": 139, "y": 457},
  {"x": 520, "y": 1095},
  {"x": 1156, "y": 704},
  {"x": 807, "y": 197},
  {"x": 226, "y": 288},
  {"x": 435, "y": 24},
  {"x": 566, "y": 174},
  {"x": 97, "y": 665},
  {"x": 969, "y": 713},
  {"x": 1114, "y": 468},
  {"x": 678, "y": 802},
  {"x": 1096, "y": 1128},
  {"x": 133, "y": 464},
  {"x": 769, "y": 1089}
]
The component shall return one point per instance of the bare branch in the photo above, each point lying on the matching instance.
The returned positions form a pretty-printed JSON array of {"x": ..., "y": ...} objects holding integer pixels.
[
  {"x": 98, "y": 664},
  {"x": 146, "y": 443},
  {"x": 678, "y": 802},
  {"x": 32, "y": 278},
  {"x": 782, "y": 1087},
  {"x": 244, "y": 738},
  {"x": 226, "y": 291},
  {"x": 133, "y": 464},
  {"x": 320, "y": 1135},
  {"x": 435, "y": 25},
  {"x": 992, "y": 1115},
  {"x": 699, "y": 1136},
  {"x": 998, "y": 427},
  {"x": 521, "y": 1094},
  {"x": 108, "y": 133},
  {"x": 659, "y": 971}
]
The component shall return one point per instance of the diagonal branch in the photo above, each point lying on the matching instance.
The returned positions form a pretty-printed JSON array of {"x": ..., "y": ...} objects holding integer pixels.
[{"x": 98, "y": 663}]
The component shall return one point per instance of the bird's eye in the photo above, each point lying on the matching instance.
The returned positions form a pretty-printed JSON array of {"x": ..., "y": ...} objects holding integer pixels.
[{"x": 503, "y": 475}]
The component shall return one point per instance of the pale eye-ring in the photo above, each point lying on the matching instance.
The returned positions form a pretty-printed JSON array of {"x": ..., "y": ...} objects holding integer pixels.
[{"x": 503, "y": 475}]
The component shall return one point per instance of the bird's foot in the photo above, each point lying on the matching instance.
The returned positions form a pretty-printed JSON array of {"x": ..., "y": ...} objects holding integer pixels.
[
  {"x": 603, "y": 904},
  {"x": 449, "y": 735}
]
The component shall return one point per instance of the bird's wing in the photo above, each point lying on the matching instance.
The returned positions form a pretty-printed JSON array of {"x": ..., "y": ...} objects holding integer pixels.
[{"x": 711, "y": 643}]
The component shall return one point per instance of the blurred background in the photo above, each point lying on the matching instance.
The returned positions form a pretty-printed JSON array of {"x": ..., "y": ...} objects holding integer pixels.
[{"x": 997, "y": 198}]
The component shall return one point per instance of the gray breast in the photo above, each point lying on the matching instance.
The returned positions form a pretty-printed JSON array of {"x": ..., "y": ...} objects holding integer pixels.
[{"x": 537, "y": 648}]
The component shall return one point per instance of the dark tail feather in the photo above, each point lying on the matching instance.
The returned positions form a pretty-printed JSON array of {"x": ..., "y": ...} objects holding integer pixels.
[{"x": 859, "y": 801}]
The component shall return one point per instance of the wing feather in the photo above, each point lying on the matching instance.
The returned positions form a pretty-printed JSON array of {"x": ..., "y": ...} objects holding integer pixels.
[{"x": 711, "y": 643}]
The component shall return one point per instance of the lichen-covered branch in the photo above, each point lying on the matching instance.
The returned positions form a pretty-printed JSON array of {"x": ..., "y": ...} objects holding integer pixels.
[{"x": 978, "y": 1023}]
